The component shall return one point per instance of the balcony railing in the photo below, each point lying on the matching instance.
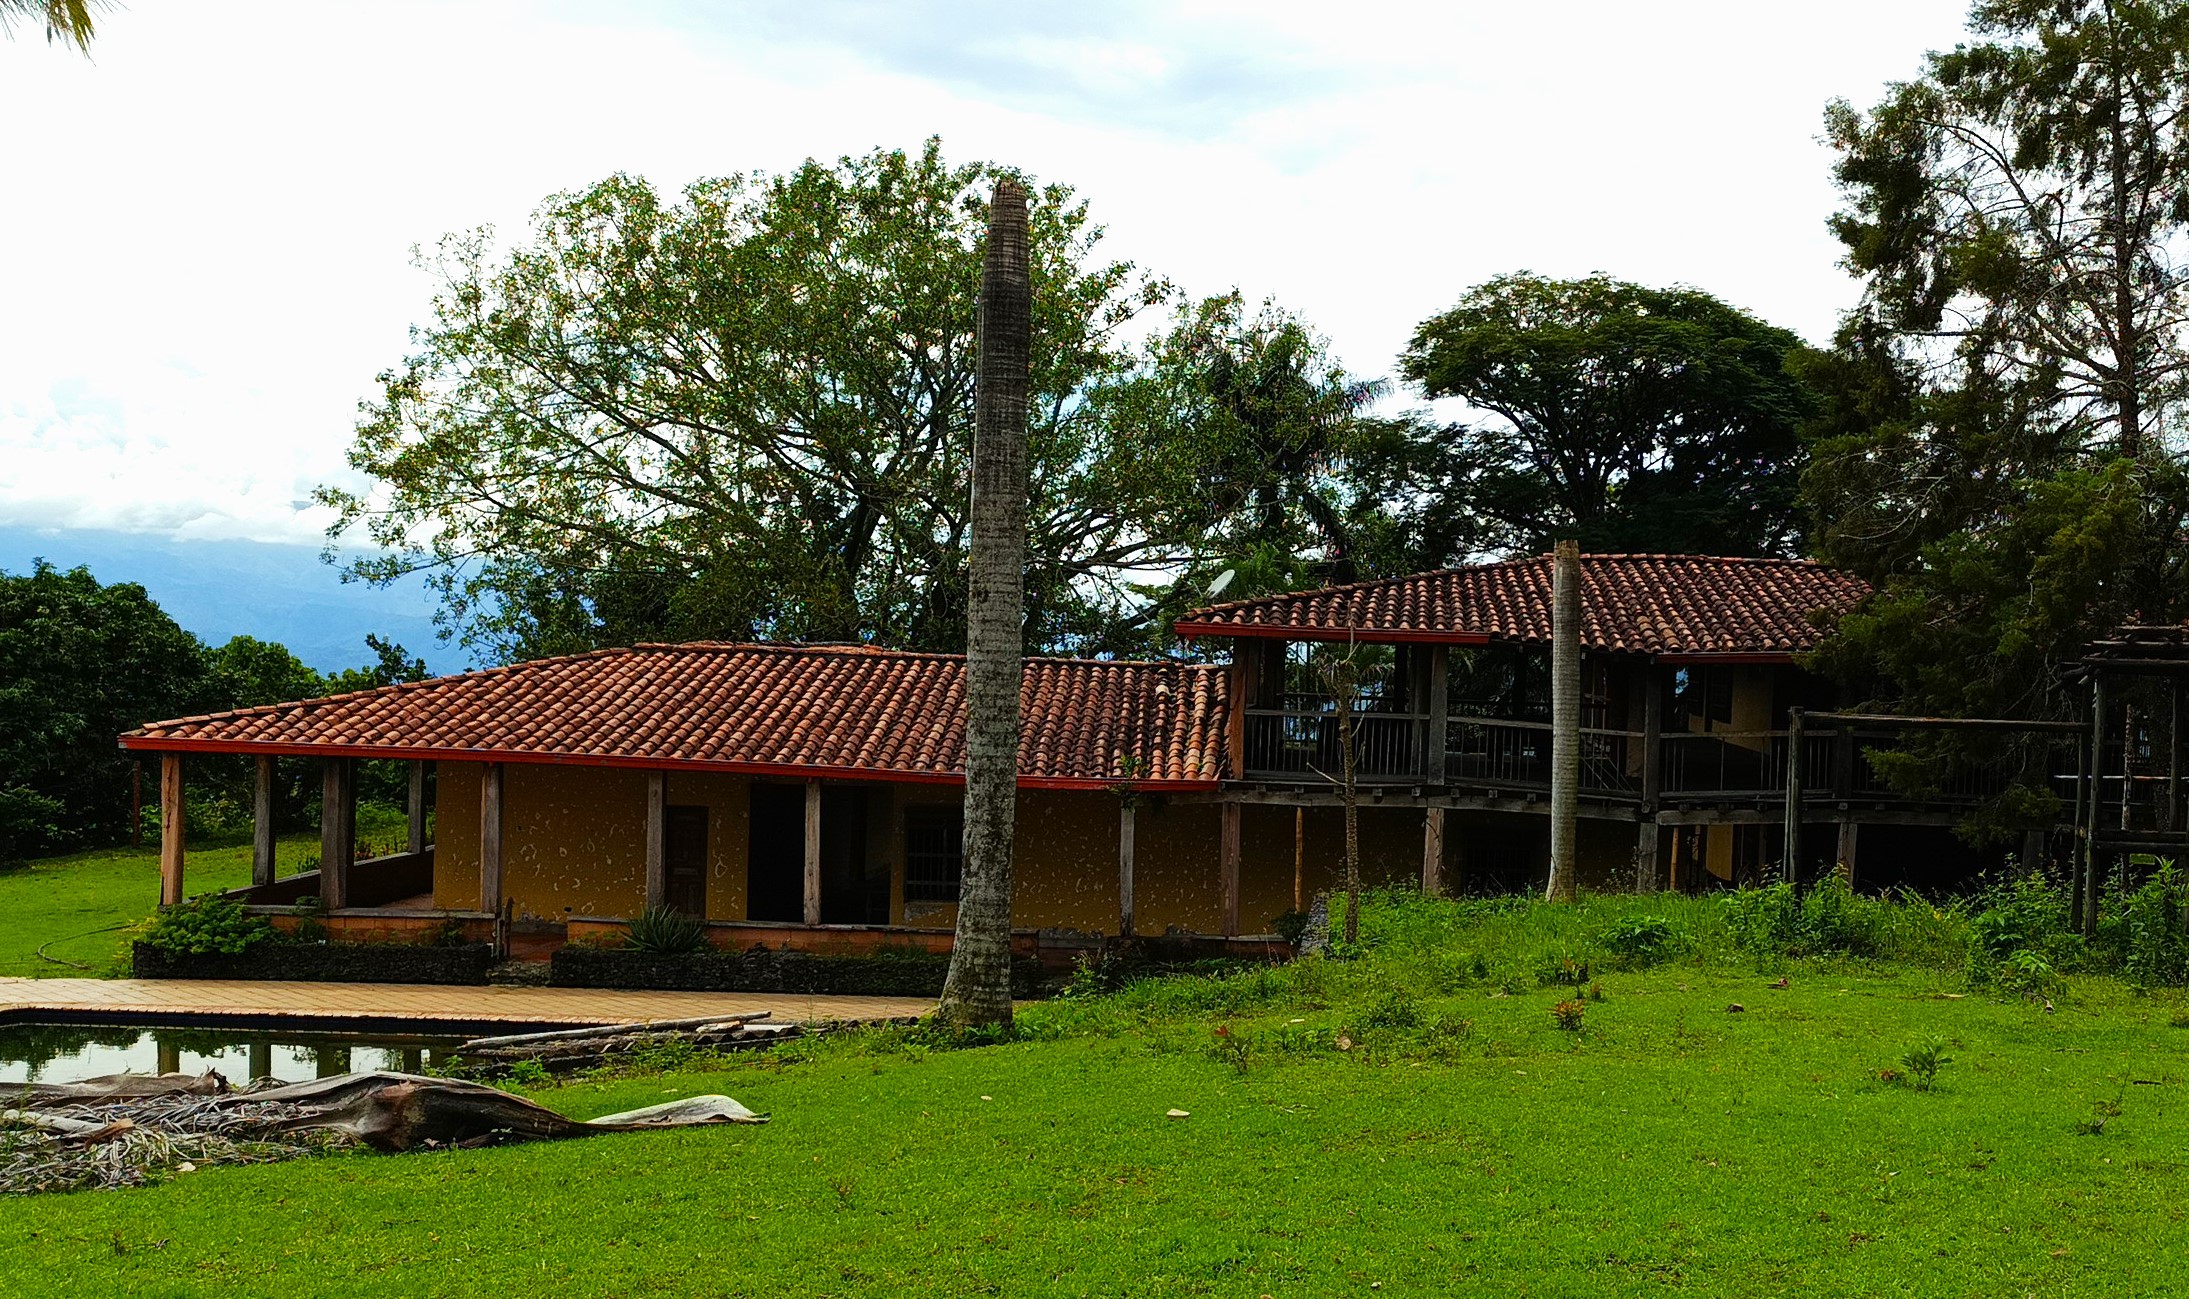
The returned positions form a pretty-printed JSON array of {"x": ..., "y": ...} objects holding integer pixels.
[{"x": 1509, "y": 754}]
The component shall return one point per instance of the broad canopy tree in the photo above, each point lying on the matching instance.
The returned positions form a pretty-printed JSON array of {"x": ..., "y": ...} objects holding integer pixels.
[
  {"x": 1631, "y": 418},
  {"x": 745, "y": 412}
]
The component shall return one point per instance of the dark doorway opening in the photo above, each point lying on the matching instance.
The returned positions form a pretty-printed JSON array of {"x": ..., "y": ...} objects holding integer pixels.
[
  {"x": 775, "y": 864},
  {"x": 685, "y": 859}
]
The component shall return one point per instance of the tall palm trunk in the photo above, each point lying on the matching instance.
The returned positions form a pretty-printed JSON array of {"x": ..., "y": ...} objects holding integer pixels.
[
  {"x": 978, "y": 990},
  {"x": 1565, "y": 718}
]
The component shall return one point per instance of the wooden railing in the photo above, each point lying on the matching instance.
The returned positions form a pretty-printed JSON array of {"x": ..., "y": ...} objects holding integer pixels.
[{"x": 1288, "y": 742}]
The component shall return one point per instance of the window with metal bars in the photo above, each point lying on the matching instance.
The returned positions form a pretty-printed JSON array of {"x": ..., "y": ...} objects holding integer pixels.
[{"x": 934, "y": 853}]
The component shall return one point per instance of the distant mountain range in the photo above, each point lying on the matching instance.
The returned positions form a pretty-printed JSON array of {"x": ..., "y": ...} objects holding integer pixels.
[{"x": 220, "y": 589}]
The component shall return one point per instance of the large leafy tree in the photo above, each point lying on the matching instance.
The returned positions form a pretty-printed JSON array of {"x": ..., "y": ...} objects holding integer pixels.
[
  {"x": 745, "y": 412},
  {"x": 1999, "y": 447},
  {"x": 79, "y": 664},
  {"x": 1631, "y": 418}
]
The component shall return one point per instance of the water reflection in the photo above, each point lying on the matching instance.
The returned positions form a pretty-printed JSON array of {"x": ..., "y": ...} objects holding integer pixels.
[{"x": 65, "y": 1052}]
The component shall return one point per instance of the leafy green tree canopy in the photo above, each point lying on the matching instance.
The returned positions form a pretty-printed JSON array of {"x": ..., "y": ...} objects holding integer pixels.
[
  {"x": 743, "y": 412},
  {"x": 1997, "y": 447},
  {"x": 1631, "y": 418}
]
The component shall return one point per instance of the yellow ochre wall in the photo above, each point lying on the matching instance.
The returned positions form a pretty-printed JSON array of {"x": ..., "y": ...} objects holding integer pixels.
[{"x": 574, "y": 846}]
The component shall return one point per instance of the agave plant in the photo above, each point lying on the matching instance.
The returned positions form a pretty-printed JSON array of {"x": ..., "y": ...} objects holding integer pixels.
[{"x": 666, "y": 931}]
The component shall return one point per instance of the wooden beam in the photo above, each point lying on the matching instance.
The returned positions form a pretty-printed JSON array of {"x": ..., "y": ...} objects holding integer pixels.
[
  {"x": 1792, "y": 859},
  {"x": 171, "y": 850},
  {"x": 1849, "y": 832},
  {"x": 1439, "y": 728},
  {"x": 1645, "y": 858},
  {"x": 1949, "y": 723},
  {"x": 490, "y": 838},
  {"x": 1653, "y": 728},
  {"x": 657, "y": 839},
  {"x": 1125, "y": 867},
  {"x": 1299, "y": 859},
  {"x": 813, "y": 852},
  {"x": 1229, "y": 851},
  {"x": 417, "y": 806},
  {"x": 262, "y": 822},
  {"x": 2089, "y": 910},
  {"x": 1432, "y": 852},
  {"x": 337, "y": 831}
]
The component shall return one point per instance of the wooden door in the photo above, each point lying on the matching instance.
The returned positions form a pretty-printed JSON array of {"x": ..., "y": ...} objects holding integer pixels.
[{"x": 685, "y": 859}]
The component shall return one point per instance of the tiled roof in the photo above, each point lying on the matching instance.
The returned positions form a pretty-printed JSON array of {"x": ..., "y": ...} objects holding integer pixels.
[
  {"x": 759, "y": 708},
  {"x": 1680, "y": 605}
]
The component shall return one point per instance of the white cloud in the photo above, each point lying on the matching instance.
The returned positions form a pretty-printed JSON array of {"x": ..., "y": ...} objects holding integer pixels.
[{"x": 207, "y": 240}]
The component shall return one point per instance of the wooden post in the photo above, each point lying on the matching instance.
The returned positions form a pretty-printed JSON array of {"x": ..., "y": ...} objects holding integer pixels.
[
  {"x": 1792, "y": 860},
  {"x": 1432, "y": 852},
  {"x": 337, "y": 831},
  {"x": 262, "y": 823},
  {"x": 490, "y": 839},
  {"x": 417, "y": 840},
  {"x": 169, "y": 1055},
  {"x": 1565, "y": 806},
  {"x": 1229, "y": 850},
  {"x": 1849, "y": 831},
  {"x": 1439, "y": 728},
  {"x": 2033, "y": 851},
  {"x": 1653, "y": 731},
  {"x": 2175, "y": 821},
  {"x": 657, "y": 839},
  {"x": 1299, "y": 859},
  {"x": 2091, "y": 856},
  {"x": 1645, "y": 854},
  {"x": 171, "y": 851},
  {"x": 813, "y": 852},
  {"x": 1125, "y": 867}
]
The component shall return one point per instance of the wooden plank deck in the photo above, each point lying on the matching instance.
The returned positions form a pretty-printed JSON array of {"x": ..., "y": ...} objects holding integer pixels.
[{"x": 425, "y": 1005}]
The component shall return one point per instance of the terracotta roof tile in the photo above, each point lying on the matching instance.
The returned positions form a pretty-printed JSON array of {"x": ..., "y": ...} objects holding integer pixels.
[
  {"x": 1637, "y": 604},
  {"x": 768, "y": 708}
]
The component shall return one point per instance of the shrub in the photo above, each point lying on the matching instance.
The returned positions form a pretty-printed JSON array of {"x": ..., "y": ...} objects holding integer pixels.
[
  {"x": 2028, "y": 913},
  {"x": 208, "y": 926},
  {"x": 2157, "y": 950},
  {"x": 1764, "y": 921},
  {"x": 1641, "y": 942},
  {"x": 1923, "y": 1063},
  {"x": 667, "y": 932},
  {"x": 1567, "y": 1014}
]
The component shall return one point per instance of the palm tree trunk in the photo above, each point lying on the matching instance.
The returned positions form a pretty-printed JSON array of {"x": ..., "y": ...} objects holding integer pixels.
[
  {"x": 978, "y": 990},
  {"x": 1565, "y": 718}
]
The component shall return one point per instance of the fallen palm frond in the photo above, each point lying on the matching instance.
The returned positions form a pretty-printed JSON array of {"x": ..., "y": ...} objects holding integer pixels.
[{"x": 130, "y": 1129}]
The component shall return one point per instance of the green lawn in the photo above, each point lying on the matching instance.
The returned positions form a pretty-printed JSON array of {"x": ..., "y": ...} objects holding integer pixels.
[
  {"x": 75, "y": 905},
  {"x": 1458, "y": 1143}
]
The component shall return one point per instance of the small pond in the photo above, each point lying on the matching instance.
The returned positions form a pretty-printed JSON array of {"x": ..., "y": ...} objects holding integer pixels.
[{"x": 69, "y": 1052}]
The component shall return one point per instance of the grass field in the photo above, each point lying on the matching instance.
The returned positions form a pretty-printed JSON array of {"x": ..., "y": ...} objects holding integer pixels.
[
  {"x": 76, "y": 906},
  {"x": 1411, "y": 1121}
]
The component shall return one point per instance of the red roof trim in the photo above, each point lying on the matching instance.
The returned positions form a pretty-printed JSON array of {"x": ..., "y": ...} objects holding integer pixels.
[{"x": 150, "y": 744}]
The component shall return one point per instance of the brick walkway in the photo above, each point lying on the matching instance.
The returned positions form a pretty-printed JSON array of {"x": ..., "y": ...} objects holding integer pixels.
[{"x": 424, "y": 1004}]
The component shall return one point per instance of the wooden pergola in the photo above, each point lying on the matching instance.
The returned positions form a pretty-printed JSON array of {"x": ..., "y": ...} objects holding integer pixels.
[{"x": 2135, "y": 800}]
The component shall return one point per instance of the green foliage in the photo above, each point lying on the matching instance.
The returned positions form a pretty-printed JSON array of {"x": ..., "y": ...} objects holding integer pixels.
[
  {"x": 1567, "y": 1014},
  {"x": 1634, "y": 419},
  {"x": 80, "y": 663},
  {"x": 1923, "y": 1061},
  {"x": 2157, "y": 931},
  {"x": 1641, "y": 942},
  {"x": 665, "y": 931},
  {"x": 207, "y": 926}
]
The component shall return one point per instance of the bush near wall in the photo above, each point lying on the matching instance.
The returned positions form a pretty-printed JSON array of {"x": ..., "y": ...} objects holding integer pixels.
[
  {"x": 883, "y": 974},
  {"x": 464, "y": 963}
]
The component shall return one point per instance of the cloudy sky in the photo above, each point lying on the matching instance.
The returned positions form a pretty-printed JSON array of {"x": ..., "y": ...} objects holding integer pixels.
[{"x": 204, "y": 248}]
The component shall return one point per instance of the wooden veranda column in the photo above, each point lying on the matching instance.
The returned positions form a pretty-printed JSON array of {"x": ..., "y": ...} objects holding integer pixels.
[
  {"x": 1125, "y": 867},
  {"x": 337, "y": 831},
  {"x": 171, "y": 851},
  {"x": 1440, "y": 709},
  {"x": 262, "y": 823},
  {"x": 1646, "y": 879},
  {"x": 490, "y": 838},
  {"x": 1850, "y": 831},
  {"x": 1432, "y": 852},
  {"x": 1229, "y": 850},
  {"x": 657, "y": 839},
  {"x": 417, "y": 807},
  {"x": 1792, "y": 858},
  {"x": 2088, "y": 912},
  {"x": 813, "y": 852}
]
